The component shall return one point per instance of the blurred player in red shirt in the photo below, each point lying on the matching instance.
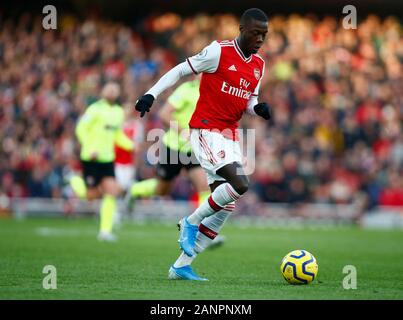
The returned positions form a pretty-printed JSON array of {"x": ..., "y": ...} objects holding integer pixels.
[{"x": 125, "y": 161}]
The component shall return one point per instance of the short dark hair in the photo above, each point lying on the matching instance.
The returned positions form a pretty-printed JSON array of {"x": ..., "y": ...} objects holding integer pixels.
[{"x": 253, "y": 14}]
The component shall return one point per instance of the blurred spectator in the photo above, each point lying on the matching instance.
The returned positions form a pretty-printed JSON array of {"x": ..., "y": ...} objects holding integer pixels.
[{"x": 337, "y": 96}]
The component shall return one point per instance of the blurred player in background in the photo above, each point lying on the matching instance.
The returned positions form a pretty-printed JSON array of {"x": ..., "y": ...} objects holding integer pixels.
[
  {"x": 231, "y": 75},
  {"x": 125, "y": 160},
  {"x": 176, "y": 150},
  {"x": 98, "y": 131},
  {"x": 175, "y": 147}
]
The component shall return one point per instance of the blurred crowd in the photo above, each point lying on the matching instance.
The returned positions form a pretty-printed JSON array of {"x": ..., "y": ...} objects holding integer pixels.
[{"x": 337, "y": 95}]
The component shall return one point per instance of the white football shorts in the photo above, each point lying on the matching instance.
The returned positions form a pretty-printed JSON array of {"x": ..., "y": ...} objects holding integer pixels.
[
  {"x": 213, "y": 151},
  {"x": 125, "y": 175}
]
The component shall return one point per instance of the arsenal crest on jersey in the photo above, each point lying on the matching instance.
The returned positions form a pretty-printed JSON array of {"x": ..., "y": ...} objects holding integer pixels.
[
  {"x": 256, "y": 72},
  {"x": 221, "y": 154}
]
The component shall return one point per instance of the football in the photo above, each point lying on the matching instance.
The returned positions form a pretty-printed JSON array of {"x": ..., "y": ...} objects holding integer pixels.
[{"x": 299, "y": 267}]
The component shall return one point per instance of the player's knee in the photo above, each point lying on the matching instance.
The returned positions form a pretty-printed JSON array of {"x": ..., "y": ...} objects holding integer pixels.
[
  {"x": 163, "y": 188},
  {"x": 241, "y": 186},
  {"x": 111, "y": 187},
  {"x": 113, "y": 192}
]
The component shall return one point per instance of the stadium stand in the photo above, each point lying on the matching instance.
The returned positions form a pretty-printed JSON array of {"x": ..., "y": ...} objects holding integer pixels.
[{"x": 337, "y": 132}]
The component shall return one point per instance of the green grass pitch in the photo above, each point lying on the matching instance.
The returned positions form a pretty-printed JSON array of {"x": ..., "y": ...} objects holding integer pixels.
[{"x": 246, "y": 267}]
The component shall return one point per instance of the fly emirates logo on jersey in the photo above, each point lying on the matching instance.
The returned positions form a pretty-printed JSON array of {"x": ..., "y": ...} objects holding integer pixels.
[{"x": 241, "y": 92}]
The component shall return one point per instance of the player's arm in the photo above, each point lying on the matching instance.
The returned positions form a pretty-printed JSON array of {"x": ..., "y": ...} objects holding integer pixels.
[
  {"x": 261, "y": 109},
  {"x": 123, "y": 141},
  {"x": 84, "y": 129},
  {"x": 206, "y": 61},
  {"x": 85, "y": 124}
]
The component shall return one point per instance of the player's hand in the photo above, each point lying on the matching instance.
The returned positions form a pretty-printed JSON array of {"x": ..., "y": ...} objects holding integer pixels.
[
  {"x": 264, "y": 110},
  {"x": 144, "y": 104},
  {"x": 93, "y": 156}
]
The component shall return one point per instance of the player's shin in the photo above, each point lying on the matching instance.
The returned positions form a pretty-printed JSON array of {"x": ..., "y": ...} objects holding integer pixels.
[
  {"x": 211, "y": 226},
  {"x": 144, "y": 189},
  {"x": 183, "y": 260},
  {"x": 78, "y": 186},
  {"x": 107, "y": 211},
  {"x": 222, "y": 195}
]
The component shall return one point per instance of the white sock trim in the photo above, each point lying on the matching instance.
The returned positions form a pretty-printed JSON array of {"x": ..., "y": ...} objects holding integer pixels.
[{"x": 183, "y": 260}]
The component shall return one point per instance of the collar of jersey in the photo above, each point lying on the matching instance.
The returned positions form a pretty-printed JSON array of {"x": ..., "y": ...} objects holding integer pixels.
[{"x": 239, "y": 51}]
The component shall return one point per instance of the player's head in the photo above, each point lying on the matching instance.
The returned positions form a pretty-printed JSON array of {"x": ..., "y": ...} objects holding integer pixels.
[
  {"x": 253, "y": 29},
  {"x": 111, "y": 92}
]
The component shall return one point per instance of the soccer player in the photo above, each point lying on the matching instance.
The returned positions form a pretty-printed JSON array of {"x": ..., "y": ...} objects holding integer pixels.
[
  {"x": 125, "y": 160},
  {"x": 98, "y": 130},
  {"x": 231, "y": 75}
]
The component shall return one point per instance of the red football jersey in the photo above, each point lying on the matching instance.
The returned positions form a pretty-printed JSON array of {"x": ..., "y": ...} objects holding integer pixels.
[{"x": 229, "y": 80}]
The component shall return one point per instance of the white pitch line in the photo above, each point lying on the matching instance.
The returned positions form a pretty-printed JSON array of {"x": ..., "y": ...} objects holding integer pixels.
[{"x": 58, "y": 232}]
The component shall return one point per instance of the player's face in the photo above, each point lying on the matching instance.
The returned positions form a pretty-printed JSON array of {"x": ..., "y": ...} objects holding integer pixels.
[{"x": 253, "y": 35}]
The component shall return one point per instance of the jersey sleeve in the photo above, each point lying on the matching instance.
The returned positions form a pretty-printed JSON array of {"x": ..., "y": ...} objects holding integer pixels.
[
  {"x": 256, "y": 92},
  {"x": 170, "y": 78},
  {"x": 87, "y": 120},
  {"x": 121, "y": 139},
  {"x": 206, "y": 60},
  {"x": 253, "y": 100}
]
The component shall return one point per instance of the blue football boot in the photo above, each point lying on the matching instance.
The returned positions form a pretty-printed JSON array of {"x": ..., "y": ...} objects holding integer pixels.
[
  {"x": 184, "y": 273},
  {"x": 187, "y": 237}
]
